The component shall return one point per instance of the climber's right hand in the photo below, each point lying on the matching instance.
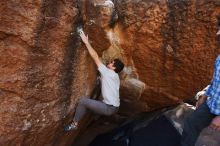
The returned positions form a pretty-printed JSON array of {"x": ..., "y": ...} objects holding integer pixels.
[{"x": 84, "y": 38}]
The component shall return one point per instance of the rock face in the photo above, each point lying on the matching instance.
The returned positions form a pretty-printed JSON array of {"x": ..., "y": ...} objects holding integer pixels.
[{"x": 169, "y": 49}]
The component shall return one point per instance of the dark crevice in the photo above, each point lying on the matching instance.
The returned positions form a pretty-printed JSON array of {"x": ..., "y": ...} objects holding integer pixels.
[
  {"x": 70, "y": 56},
  {"x": 114, "y": 16},
  {"x": 119, "y": 13},
  {"x": 67, "y": 70}
]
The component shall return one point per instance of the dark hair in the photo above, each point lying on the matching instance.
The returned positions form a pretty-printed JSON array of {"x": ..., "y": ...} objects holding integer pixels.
[{"x": 119, "y": 65}]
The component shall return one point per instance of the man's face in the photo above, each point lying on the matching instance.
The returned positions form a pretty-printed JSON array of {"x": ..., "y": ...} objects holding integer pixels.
[{"x": 111, "y": 65}]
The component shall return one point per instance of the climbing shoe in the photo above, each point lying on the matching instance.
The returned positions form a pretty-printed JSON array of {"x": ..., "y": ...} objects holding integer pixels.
[{"x": 71, "y": 126}]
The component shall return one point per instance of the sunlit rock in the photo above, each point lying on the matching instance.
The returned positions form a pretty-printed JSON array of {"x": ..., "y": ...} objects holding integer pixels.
[{"x": 169, "y": 48}]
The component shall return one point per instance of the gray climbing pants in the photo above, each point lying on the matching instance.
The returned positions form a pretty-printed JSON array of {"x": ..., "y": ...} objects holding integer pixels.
[{"x": 95, "y": 106}]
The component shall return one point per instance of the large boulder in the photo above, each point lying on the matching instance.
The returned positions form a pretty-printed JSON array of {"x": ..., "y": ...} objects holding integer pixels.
[{"x": 168, "y": 47}]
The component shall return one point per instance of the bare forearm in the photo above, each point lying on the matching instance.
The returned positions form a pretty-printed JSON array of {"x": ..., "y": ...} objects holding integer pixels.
[{"x": 92, "y": 52}]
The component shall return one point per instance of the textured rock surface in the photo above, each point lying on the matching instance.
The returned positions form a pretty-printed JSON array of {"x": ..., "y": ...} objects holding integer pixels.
[
  {"x": 172, "y": 46},
  {"x": 40, "y": 61},
  {"x": 169, "y": 48}
]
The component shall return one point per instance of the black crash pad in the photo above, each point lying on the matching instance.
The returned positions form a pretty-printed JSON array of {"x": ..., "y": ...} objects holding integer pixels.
[{"x": 159, "y": 132}]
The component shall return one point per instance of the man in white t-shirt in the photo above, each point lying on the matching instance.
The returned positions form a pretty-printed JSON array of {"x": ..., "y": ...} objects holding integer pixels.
[{"x": 110, "y": 83}]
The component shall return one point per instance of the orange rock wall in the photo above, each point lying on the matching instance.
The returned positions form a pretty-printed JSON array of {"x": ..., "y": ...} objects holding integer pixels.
[
  {"x": 44, "y": 70},
  {"x": 172, "y": 45},
  {"x": 169, "y": 48}
]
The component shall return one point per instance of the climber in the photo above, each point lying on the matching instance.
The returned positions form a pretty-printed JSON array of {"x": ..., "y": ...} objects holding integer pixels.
[
  {"x": 207, "y": 109},
  {"x": 110, "y": 83}
]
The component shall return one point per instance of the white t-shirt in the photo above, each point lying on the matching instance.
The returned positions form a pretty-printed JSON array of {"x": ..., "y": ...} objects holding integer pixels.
[{"x": 110, "y": 83}]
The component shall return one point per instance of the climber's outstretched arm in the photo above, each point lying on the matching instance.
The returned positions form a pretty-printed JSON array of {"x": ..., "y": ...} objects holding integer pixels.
[{"x": 92, "y": 52}]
